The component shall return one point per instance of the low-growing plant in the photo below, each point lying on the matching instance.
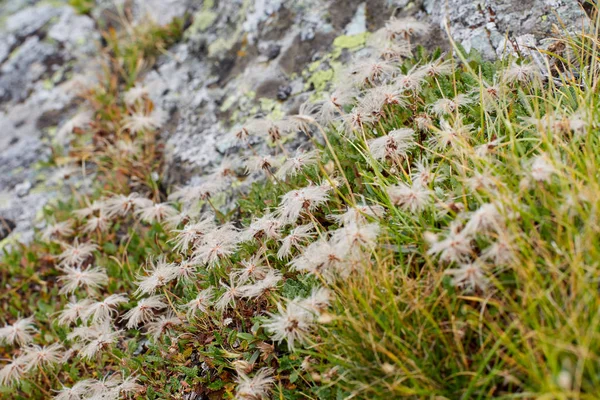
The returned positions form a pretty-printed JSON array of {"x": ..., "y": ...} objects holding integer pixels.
[{"x": 435, "y": 236}]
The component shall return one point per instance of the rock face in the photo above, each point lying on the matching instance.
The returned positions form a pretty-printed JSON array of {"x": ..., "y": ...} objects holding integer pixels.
[{"x": 239, "y": 59}]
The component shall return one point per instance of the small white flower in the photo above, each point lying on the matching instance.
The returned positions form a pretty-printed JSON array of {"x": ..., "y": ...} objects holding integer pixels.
[
  {"x": 160, "y": 326},
  {"x": 157, "y": 275},
  {"x": 192, "y": 233},
  {"x": 121, "y": 205},
  {"x": 156, "y": 212},
  {"x": 139, "y": 121},
  {"x": 541, "y": 169},
  {"x": 256, "y": 388},
  {"x": 295, "y": 239},
  {"x": 232, "y": 291},
  {"x": 72, "y": 311},
  {"x": 448, "y": 106},
  {"x": 454, "y": 136},
  {"x": 75, "y": 277},
  {"x": 413, "y": 198},
  {"x": 218, "y": 244},
  {"x": 96, "y": 223},
  {"x": 393, "y": 146},
  {"x": 294, "y": 165},
  {"x": 292, "y": 324},
  {"x": 403, "y": 28},
  {"x": 144, "y": 311},
  {"x": 20, "y": 332},
  {"x": 12, "y": 372},
  {"x": 262, "y": 163},
  {"x": 455, "y": 247},
  {"x": 522, "y": 73},
  {"x": 256, "y": 289},
  {"x": 306, "y": 199},
  {"x": 100, "y": 311},
  {"x": 77, "y": 253},
  {"x": 438, "y": 67},
  {"x": 58, "y": 229},
  {"x": 469, "y": 276},
  {"x": 201, "y": 302},
  {"x": 38, "y": 356},
  {"x": 135, "y": 94}
]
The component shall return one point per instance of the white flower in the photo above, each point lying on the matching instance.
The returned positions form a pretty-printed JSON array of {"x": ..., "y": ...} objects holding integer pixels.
[
  {"x": 192, "y": 233},
  {"x": 218, "y": 244},
  {"x": 296, "y": 237},
  {"x": 38, "y": 356},
  {"x": 404, "y": 28},
  {"x": 354, "y": 234},
  {"x": 318, "y": 301},
  {"x": 144, "y": 311},
  {"x": 307, "y": 199},
  {"x": 77, "y": 253},
  {"x": 413, "y": 198},
  {"x": 455, "y": 247},
  {"x": 502, "y": 251},
  {"x": 541, "y": 169},
  {"x": 96, "y": 223},
  {"x": 355, "y": 120},
  {"x": 64, "y": 229},
  {"x": 359, "y": 214},
  {"x": 292, "y": 324},
  {"x": 424, "y": 174},
  {"x": 487, "y": 218},
  {"x": 256, "y": 289},
  {"x": 267, "y": 225},
  {"x": 423, "y": 122},
  {"x": 250, "y": 268},
  {"x": 72, "y": 311},
  {"x": 469, "y": 276},
  {"x": 99, "y": 311},
  {"x": 451, "y": 136},
  {"x": 372, "y": 71},
  {"x": 157, "y": 275},
  {"x": 75, "y": 277},
  {"x": 232, "y": 291},
  {"x": 185, "y": 270},
  {"x": 135, "y": 94},
  {"x": 320, "y": 258},
  {"x": 160, "y": 326},
  {"x": 294, "y": 165},
  {"x": 201, "y": 302},
  {"x": 332, "y": 104},
  {"x": 91, "y": 209},
  {"x": 76, "y": 392},
  {"x": 20, "y": 332},
  {"x": 121, "y": 205},
  {"x": 256, "y": 388},
  {"x": 262, "y": 163},
  {"x": 104, "y": 339},
  {"x": 392, "y": 146},
  {"x": 411, "y": 81},
  {"x": 521, "y": 73},
  {"x": 81, "y": 120},
  {"x": 448, "y": 106},
  {"x": 13, "y": 371},
  {"x": 438, "y": 67},
  {"x": 156, "y": 212},
  {"x": 139, "y": 121}
]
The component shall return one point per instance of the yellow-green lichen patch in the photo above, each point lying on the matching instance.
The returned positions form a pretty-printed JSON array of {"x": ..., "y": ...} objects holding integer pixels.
[{"x": 203, "y": 20}]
